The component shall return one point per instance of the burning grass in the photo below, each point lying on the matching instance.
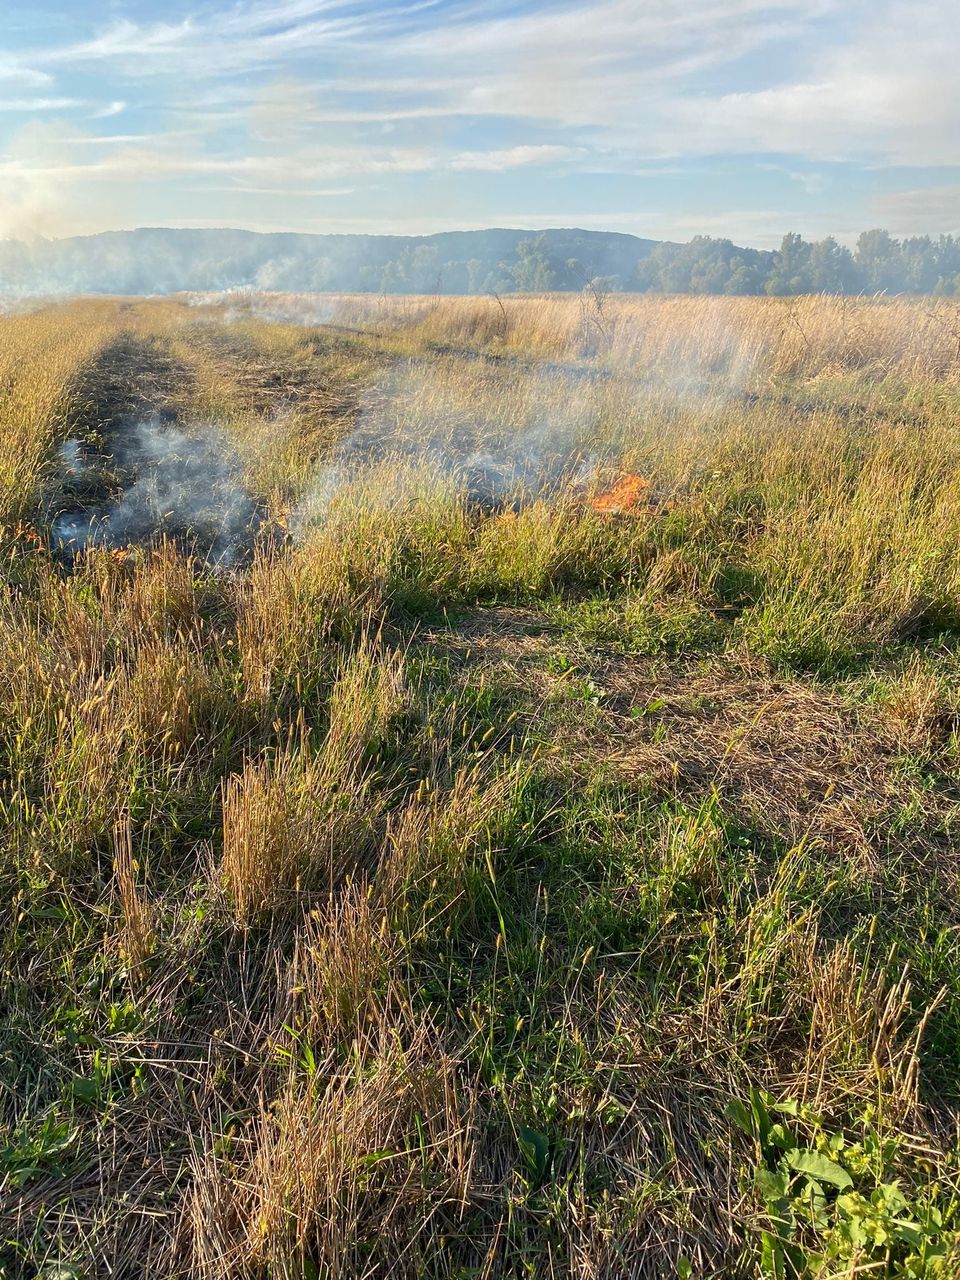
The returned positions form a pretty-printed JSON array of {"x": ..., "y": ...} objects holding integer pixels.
[{"x": 531, "y": 858}]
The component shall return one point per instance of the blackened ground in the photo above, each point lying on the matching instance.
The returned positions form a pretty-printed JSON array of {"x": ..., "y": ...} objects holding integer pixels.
[{"x": 138, "y": 472}]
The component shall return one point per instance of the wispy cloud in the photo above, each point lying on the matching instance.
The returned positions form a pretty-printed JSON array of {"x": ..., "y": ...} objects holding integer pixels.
[
  {"x": 39, "y": 104},
  {"x": 13, "y": 72},
  {"x": 134, "y": 163},
  {"x": 513, "y": 158},
  {"x": 230, "y": 41},
  {"x": 929, "y": 210},
  {"x": 123, "y": 41},
  {"x": 115, "y": 108},
  {"x": 298, "y": 193},
  {"x": 485, "y": 107}
]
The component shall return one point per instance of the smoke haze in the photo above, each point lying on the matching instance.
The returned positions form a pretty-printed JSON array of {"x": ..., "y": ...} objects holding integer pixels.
[{"x": 182, "y": 485}]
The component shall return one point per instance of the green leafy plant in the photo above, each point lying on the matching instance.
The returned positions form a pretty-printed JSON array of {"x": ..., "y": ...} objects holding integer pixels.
[
  {"x": 35, "y": 1148},
  {"x": 538, "y": 1155},
  {"x": 831, "y": 1207}
]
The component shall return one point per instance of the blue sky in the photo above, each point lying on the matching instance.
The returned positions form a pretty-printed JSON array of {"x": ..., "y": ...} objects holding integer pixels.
[{"x": 664, "y": 118}]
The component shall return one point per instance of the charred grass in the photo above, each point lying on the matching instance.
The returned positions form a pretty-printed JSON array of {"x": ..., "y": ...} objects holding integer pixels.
[{"x": 425, "y": 895}]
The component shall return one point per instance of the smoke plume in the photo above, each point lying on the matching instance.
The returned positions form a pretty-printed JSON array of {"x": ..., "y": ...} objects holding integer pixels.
[{"x": 174, "y": 484}]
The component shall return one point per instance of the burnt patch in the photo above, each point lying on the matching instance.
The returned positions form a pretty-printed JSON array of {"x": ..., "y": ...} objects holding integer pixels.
[
  {"x": 137, "y": 470},
  {"x": 159, "y": 482}
]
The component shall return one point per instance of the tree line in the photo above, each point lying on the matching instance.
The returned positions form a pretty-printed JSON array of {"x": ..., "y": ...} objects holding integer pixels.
[
  {"x": 878, "y": 264},
  {"x": 492, "y": 261}
]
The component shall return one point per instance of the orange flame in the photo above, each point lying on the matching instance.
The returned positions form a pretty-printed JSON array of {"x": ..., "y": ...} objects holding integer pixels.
[
  {"x": 629, "y": 496},
  {"x": 27, "y": 533}
]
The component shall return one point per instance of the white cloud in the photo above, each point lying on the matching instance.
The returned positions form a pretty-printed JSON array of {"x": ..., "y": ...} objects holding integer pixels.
[
  {"x": 632, "y": 71},
  {"x": 294, "y": 192},
  {"x": 14, "y": 72},
  {"x": 307, "y": 96},
  {"x": 925, "y": 210},
  {"x": 888, "y": 94},
  {"x": 229, "y": 42},
  {"x": 811, "y": 181},
  {"x": 866, "y": 116},
  {"x": 248, "y": 19},
  {"x": 39, "y": 104},
  {"x": 163, "y": 160},
  {"x": 512, "y": 158},
  {"x": 111, "y": 109},
  {"x": 123, "y": 41}
]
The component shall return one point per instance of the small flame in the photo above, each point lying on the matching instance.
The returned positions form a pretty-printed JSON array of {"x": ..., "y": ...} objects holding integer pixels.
[
  {"x": 629, "y": 496},
  {"x": 27, "y": 533}
]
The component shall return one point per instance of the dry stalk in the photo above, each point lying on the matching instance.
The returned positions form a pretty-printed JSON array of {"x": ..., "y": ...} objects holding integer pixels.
[{"x": 137, "y": 937}]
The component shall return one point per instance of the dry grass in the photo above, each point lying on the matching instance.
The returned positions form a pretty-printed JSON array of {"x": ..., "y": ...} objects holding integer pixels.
[
  {"x": 43, "y": 357},
  {"x": 303, "y": 821},
  {"x": 915, "y": 339},
  {"x": 416, "y": 896},
  {"x": 137, "y": 937}
]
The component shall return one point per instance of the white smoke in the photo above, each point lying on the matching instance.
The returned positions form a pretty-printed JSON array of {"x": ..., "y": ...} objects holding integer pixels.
[
  {"x": 185, "y": 486},
  {"x": 237, "y": 305},
  {"x": 504, "y": 438}
]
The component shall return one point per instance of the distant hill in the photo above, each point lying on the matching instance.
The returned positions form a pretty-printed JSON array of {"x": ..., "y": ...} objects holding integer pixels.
[{"x": 161, "y": 260}]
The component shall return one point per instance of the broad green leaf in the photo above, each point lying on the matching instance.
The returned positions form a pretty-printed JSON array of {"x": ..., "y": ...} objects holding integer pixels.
[
  {"x": 780, "y": 1136},
  {"x": 741, "y": 1117},
  {"x": 772, "y": 1184},
  {"x": 910, "y": 1233},
  {"x": 890, "y": 1197},
  {"x": 772, "y": 1260},
  {"x": 536, "y": 1150},
  {"x": 85, "y": 1090},
  {"x": 789, "y": 1107},
  {"x": 814, "y": 1165}
]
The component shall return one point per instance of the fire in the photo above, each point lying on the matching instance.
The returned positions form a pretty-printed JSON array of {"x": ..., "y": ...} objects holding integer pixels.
[
  {"x": 629, "y": 496},
  {"x": 27, "y": 533}
]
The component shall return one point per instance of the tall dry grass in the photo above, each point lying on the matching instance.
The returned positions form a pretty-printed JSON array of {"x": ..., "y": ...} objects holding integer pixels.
[
  {"x": 910, "y": 338},
  {"x": 304, "y": 820},
  {"x": 43, "y": 357}
]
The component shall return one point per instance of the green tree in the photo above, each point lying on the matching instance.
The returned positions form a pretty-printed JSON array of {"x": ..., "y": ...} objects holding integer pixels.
[
  {"x": 704, "y": 265},
  {"x": 879, "y": 259},
  {"x": 832, "y": 268},
  {"x": 533, "y": 272},
  {"x": 791, "y": 272},
  {"x": 745, "y": 278}
]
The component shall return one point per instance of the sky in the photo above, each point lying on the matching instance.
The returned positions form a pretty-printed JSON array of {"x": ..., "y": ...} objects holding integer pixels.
[{"x": 663, "y": 118}]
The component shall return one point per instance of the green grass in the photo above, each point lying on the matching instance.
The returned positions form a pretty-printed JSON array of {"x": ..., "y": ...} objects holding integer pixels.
[{"x": 448, "y": 893}]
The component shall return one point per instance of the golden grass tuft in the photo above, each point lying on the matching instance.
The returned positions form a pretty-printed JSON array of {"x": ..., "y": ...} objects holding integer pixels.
[
  {"x": 287, "y": 825},
  {"x": 341, "y": 972},
  {"x": 354, "y": 1163},
  {"x": 137, "y": 937},
  {"x": 303, "y": 820},
  {"x": 173, "y": 699}
]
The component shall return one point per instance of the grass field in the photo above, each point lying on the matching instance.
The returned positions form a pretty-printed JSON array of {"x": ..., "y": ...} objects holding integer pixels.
[{"x": 418, "y": 862}]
